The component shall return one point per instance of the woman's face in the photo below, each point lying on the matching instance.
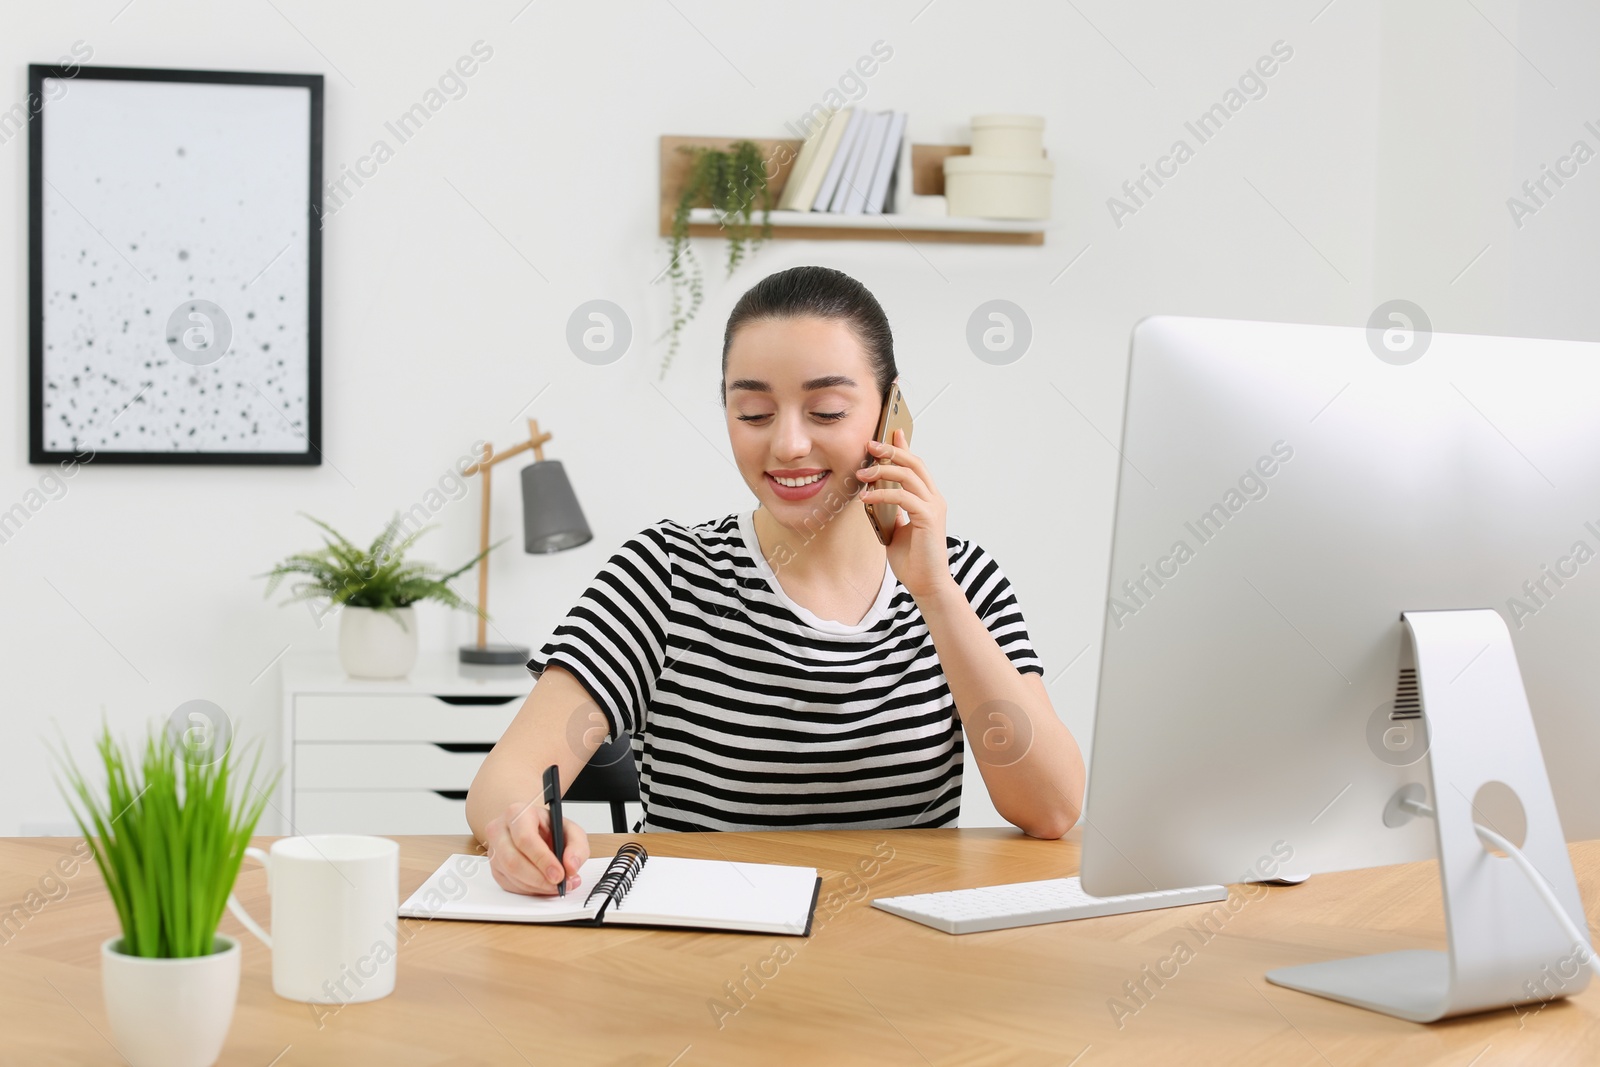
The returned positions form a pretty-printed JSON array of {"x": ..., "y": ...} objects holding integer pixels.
[{"x": 802, "y": 405}]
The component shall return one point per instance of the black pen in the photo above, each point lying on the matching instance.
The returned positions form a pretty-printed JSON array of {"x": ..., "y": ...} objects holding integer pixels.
[{"x": 552, "y": 798}]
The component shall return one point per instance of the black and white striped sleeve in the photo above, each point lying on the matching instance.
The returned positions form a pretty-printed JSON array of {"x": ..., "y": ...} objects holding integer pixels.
[
  {"x": 614, "y": 640},
  {"x": 990, "y": 594}
]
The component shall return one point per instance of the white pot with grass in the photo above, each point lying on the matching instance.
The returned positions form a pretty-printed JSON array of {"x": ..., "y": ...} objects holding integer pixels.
[
  {"x": 168, "y": 832},
  {"x": 373, "y": 588},
  {"x": 172, "y": 1012},
  {"x": 377, "y": 644}
]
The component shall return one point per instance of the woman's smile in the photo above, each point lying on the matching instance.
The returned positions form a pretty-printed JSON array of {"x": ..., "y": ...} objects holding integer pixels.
[{"x": 797, "y": 484}]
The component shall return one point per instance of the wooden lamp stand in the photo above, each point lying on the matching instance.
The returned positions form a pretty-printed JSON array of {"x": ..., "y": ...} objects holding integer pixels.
[{"x": 552, "y": 522}]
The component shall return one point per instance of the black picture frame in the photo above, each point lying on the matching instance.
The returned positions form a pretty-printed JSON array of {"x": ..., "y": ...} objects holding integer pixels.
[{"x": 43, "y": 451}]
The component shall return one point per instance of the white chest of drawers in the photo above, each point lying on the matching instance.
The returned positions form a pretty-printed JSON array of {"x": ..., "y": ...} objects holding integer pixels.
[{"x": 395, "y": 757}]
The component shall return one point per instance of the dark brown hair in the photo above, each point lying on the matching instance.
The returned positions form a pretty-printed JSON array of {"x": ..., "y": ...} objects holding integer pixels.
[{"x": 824, "y": 293}]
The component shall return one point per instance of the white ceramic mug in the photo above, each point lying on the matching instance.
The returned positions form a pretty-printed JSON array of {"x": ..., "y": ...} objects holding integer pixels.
[{"x": 335, "y": 898}]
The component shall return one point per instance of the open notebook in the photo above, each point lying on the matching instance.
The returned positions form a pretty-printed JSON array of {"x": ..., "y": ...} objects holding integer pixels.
[{"x": 632, "y": 888}]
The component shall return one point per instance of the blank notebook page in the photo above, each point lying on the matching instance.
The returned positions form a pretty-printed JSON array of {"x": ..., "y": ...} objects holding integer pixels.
[
  {"x": 476, "y": 895},
  {"x": 719, "y": 894}
]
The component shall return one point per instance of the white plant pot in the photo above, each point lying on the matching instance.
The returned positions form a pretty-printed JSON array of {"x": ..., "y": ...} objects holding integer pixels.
[
  {"x": 170, "y": 1012},
  {"x": 372, "y": 643}
]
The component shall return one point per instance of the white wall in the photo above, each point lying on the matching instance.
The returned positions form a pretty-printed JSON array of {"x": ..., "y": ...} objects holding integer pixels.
[{"x": 134, "y": 592}]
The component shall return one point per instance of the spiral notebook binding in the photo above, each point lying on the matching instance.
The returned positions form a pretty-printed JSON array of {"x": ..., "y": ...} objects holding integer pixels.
[{"x": 619, "y": 875}]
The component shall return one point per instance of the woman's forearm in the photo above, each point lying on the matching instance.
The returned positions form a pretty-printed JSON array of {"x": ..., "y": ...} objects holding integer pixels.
[
  {"x": 1028, "y": 758},
  {"x": 556, "y": 724},
  {"x": 497, "y": 785}
]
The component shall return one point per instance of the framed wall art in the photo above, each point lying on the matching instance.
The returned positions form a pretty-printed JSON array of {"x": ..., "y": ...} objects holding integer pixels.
[{"x": 175, "y": 266}]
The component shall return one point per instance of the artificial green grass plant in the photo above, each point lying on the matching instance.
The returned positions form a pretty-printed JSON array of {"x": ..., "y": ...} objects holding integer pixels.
[{"x": 168, "y": 837}]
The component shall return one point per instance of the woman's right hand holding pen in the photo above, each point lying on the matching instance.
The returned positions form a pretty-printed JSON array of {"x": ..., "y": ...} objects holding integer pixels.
[{"x": 521, "y": 855}]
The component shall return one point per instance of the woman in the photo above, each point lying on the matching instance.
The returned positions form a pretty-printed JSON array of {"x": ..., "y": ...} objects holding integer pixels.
[{"x": 781, "y": 668}]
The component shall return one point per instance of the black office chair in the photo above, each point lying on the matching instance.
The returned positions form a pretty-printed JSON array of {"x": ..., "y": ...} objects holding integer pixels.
[{"x": 608, "y": 778}]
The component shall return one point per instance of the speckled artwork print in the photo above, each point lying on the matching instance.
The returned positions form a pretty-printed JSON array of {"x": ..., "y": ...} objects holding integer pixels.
[{"x": 175, "y": 218}]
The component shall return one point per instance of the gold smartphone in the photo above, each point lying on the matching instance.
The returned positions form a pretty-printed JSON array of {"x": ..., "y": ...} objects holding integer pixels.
[{"x": 896, "y": 416}]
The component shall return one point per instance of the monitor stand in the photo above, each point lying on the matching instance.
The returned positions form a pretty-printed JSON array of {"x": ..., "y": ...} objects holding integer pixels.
[{"x": 1505, "y": 947}]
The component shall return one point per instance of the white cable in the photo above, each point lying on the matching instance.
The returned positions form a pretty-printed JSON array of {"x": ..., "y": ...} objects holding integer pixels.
[
  {"x": 1544, "y": 891},
  {"x": 1542, "y": 887}
]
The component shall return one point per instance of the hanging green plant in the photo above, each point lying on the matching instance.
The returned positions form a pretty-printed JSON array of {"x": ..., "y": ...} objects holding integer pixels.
[{"x": 729, "y": 181}]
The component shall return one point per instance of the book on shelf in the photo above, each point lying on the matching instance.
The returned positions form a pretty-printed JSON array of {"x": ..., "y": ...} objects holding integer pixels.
[
  {"x": 800, "y": 191},
  {"x": 850, "y": 122},
  {"x": 900, "y": 189},
  {"x": 884, "y": 174},
  {"x": 860, "y": 176},
  {"x": 861, "y": 125}
]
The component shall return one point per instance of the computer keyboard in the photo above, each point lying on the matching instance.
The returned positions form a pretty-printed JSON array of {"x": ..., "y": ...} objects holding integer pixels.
[{"x": 1000, "y": 907}]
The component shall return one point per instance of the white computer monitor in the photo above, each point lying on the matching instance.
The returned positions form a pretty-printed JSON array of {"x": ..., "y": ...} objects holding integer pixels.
[{"x": 1285, "y": 492}]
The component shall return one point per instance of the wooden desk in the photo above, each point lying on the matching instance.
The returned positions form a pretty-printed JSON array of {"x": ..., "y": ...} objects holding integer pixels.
[{"x": 867, "y": 987}]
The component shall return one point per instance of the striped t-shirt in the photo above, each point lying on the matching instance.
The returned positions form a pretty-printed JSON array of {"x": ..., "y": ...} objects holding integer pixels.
[{"x": 748, "y": 712}]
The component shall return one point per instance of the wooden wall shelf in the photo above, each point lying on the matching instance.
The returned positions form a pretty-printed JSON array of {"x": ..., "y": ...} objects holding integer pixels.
[{"x": 927, "y": 179}]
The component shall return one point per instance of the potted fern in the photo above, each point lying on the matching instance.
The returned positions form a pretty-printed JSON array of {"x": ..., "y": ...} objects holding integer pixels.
[
  {"x": 168, "y": 835},
  {"x": 729, "y": 180},
  {"x": 374, "y": 589}
]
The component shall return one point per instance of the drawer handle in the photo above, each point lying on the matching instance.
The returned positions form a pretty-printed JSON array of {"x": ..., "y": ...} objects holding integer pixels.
[
  {"x": 475, "y": 700},
  {"x": 465, "y": 746},
  {"x": 452, "y": 794}
]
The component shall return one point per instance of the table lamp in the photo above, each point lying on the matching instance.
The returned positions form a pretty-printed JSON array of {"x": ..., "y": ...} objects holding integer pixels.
[{"x": 551, "y": 521}]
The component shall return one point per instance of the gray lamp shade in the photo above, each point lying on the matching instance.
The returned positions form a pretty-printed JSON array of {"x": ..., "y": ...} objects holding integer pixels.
[{"x": 551, "y": 517}]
